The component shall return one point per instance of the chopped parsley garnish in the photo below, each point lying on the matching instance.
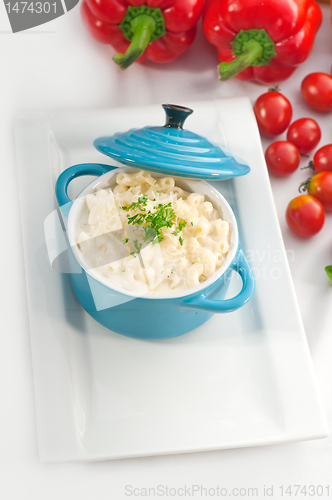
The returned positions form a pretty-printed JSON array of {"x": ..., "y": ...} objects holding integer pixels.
[
  {"x": 137, "y": 247},
  {"x": 126, "y": 241},
  {"x": 153, "y": 222},
  {"x": 149, "y": 232},
  {"x": 181, "y": 225},
  {"x": 142, "y": 200},
  {"x": 137, "y": 220},
  {"x": 192, "y": 223}
]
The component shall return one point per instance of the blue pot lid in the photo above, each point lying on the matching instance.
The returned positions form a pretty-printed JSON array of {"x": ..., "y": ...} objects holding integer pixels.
[{"x": 172, "y": 151}]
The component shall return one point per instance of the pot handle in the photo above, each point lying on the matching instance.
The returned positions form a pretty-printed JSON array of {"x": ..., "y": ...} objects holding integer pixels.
[
  {"x": 77, "y": 171},
  {"x": 202, "y": 303}
]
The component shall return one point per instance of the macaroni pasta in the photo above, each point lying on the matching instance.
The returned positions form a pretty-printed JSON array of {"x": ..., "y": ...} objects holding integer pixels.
[{"x": 180, "y": 261}]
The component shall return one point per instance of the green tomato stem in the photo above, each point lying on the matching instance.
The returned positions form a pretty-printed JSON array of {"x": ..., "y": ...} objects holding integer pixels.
[
  {"x": 143, "y": 27},
  {"x": 304, "y": 186}
]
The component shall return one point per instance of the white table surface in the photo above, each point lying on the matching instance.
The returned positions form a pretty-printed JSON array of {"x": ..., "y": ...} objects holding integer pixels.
[{"x": 57, "y": 66}]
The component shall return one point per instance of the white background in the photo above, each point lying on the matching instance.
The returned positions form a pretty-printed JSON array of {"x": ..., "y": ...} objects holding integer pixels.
[{"x": 59, "y": 67}]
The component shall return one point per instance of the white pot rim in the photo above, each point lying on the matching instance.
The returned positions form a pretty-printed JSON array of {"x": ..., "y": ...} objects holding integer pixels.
[{"x": 198, "y": 186}]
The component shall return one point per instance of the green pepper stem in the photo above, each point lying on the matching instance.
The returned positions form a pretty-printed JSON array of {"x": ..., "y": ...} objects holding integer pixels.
[
  {"x": 252, "y": 51},
  {"x": 143, "y": 27}
]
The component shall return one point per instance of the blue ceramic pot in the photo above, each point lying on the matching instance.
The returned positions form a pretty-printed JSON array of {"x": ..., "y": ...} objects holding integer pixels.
[{"x": 150, "y": 317}]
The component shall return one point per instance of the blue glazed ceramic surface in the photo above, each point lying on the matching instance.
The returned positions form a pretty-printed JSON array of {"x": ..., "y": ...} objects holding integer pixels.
[
  {"x": 149, "y": 317},
  {"x": 170, "y": 150}
]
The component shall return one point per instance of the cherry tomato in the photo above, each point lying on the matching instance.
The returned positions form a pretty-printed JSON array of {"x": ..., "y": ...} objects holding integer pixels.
[
  {"x": 323, "y": 159},
  {"x": 305, "y": 216},
  {"x": 305, "y": 134},
  {"x": 282, "y": 158},
  {"x": 316, "y": 89},
  {"x": 320, "y": 186},
  {"x": 273, "y": 113}
]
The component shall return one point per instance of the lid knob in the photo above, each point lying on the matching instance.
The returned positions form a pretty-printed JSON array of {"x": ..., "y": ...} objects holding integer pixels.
[{"x": 176, "y": 115}]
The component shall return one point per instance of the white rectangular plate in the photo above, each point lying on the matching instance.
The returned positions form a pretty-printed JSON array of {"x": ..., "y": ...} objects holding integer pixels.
[{"x": 242, "y": 379}]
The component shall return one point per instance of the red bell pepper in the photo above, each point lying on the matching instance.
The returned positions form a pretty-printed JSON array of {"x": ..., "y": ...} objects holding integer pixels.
[
  {"x": 262, "y": 40},
  {"x": 158, "y": 30}
]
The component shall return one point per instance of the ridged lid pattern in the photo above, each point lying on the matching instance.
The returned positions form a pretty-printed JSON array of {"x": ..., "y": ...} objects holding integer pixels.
[{"x": 171, "y": 150}]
